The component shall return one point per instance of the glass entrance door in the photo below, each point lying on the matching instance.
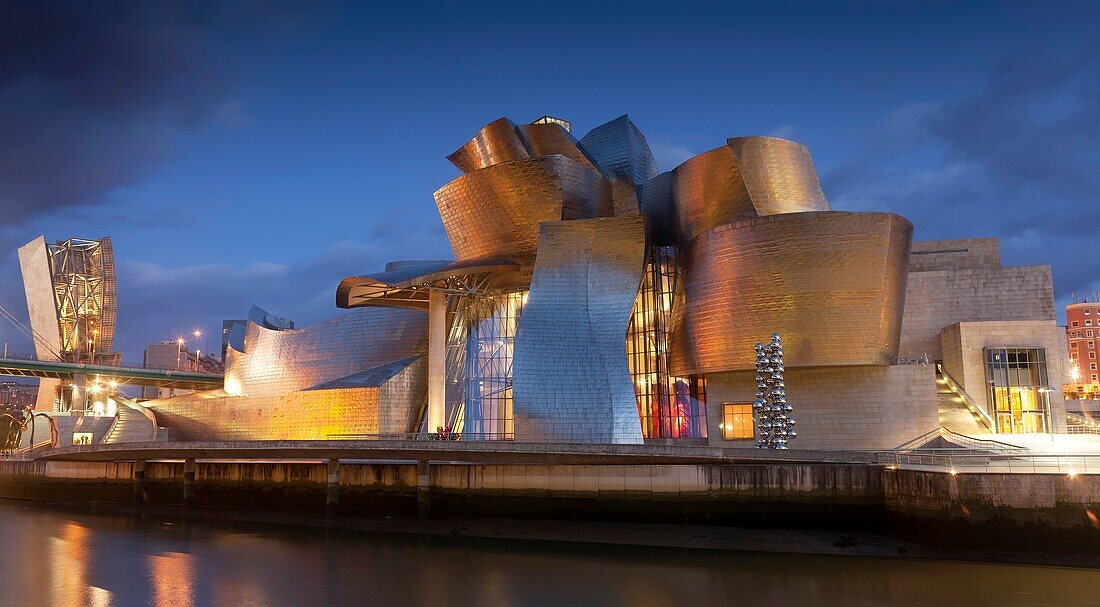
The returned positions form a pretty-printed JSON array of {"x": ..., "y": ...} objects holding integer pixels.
[{"x": 1018, "y": 392}]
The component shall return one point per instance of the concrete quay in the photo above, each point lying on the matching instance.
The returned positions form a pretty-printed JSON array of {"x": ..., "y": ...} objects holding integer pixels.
[{"x": 1039, "y": 512}]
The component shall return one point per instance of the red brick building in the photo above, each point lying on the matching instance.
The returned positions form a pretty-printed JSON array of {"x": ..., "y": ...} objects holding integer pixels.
[{"x": 1083, "y": 335}]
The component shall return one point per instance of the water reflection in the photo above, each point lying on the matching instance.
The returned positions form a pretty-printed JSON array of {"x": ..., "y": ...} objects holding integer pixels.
[{"x": 61, "y": 558}]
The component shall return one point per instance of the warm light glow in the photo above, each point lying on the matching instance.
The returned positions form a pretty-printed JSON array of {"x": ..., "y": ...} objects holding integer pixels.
[
  {"x": 197, "y": 333},
  {"x": 232, "y": 386},
  {"x": 95, "y": 389},
  {"x": 1075, "y": 372},
  {"x": 112, "y": 384},
  {"x": 179, "y": 341},
  {"x": 953, "y": 472}
]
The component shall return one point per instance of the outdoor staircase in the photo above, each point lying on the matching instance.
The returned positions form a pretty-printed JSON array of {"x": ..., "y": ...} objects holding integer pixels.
[
  {"x": 954, "y": 413},
  {"x": 133, "y": 424}
]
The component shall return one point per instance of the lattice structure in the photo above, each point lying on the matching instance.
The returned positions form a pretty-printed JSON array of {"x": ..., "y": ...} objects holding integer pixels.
[
  {"x": 83, "y": 274},
  {"x": 669, "y": 406},
  {"x": 480, "y": 348},
  {"x": 773, "y": 412}
]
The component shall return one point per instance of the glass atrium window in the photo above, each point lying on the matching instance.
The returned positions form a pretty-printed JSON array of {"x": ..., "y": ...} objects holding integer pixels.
[
  {"x": 737, "y": 421},
  {"x": 1018, "y": 392},
  {"x": 480, "y": 350},
  {"x": 669, "y": 406}
]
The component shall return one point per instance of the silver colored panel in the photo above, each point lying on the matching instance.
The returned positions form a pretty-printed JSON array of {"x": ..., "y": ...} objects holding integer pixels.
[
  {"x": 621, "y": 150},
  {"x": 281, "y": 361},
  {"x": 571, "y": 381}
]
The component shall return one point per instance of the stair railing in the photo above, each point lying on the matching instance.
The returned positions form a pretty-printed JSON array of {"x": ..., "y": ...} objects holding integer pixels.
[{"x": 970, "y": 403}]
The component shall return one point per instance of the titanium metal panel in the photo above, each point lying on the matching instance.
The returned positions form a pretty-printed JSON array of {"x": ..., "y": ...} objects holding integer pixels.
[
  {"x": 496, "y": 211},
  {"x": 747, "y": 177},
  {"x": 571, "y": 382},
  {"x": 496, "y": 143},
  {"x": 544, "y": 139},
  {"x": 280, "y": 361},
  {"x": 708, "y": 191},
  {"x": 34, "y": 261},
  {"x": 832, "y": 283},
  {"x": 322, "y": 414},
  {"x": 621, "y": 150},
  {"x": 779, "y": 175}
]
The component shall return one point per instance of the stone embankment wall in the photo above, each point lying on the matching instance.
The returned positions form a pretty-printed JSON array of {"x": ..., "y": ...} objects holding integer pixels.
[{"x": 1048, "y": 512}]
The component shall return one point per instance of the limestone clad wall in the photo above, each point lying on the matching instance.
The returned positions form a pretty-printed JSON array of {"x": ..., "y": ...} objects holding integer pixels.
[
  {"x": 939, "y": 298},
  {"x": 856, "y": 407},
  {"x": 962, "y": 345}
]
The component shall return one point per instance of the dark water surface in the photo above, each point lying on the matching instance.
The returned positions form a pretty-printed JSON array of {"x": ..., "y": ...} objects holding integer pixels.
[{"x": 66, "y": 558}]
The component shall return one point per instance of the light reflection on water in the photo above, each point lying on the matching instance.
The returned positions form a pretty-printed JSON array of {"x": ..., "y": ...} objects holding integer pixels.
[{"x": 62, "y": 558}]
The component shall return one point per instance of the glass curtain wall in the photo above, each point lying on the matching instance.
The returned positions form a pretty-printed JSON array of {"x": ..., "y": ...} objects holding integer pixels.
[
  {"x": 480, "y": 350},
  {"x": 1018, "y": 390},
  {"x": 669, "y": 406}
]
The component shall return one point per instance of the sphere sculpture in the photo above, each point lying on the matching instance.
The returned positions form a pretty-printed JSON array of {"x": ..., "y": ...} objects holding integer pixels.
[{"x": 773, "y": 413}]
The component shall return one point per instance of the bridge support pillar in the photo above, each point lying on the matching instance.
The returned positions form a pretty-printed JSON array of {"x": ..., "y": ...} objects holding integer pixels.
[
  {"x": 189, "y": 483},
  {"x": 332, "y": 487},
  {"x": 423, "y": 489},
  {"x": 139, "y": 482}
]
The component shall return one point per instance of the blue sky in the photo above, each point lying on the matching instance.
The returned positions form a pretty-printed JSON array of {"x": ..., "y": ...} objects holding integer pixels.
[{"x": 258, "y": 152}]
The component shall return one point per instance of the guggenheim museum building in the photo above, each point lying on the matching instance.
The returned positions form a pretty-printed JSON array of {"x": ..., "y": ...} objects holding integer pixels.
[{"x": 593, "y": 298}]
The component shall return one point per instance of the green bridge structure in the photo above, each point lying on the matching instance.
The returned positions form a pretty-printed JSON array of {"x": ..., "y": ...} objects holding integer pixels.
[{"x": 30, "y": 366}]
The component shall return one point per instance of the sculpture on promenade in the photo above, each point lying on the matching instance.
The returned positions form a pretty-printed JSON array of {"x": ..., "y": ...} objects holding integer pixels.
[{"x": 773, "y": 412}]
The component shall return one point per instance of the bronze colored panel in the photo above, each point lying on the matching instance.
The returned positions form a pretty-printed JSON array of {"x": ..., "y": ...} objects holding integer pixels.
[
  {"x": 496, "y": 143},
  {"x": 748, "y": 177},
  {"x": 544, "y": 139},
  {"x": 496, "y": 211},
  {"x": 779, "y": 175},
  {"x": 832, "y": 283},
  {"x": 708, "y": 191}
]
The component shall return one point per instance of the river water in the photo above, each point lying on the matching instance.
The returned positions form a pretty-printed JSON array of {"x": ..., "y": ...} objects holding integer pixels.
[{"x": 65, "y": 558}]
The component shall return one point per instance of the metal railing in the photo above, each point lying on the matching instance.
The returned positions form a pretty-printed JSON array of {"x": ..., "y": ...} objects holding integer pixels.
[
  {"x": 431, "y": 436},
  {"x": 967, "y": 445},
  {"x": 973, "y": 406},
  {"x": 120, "y": 365},
  {"x": 956, "y": 463}
]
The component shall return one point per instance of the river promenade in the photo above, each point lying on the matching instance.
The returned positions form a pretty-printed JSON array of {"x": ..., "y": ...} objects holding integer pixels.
[{"x": 1013, "y": 501}]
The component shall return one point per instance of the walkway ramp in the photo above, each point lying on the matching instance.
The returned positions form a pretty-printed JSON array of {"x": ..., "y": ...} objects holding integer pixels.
[{"x": 133, "y": 423}]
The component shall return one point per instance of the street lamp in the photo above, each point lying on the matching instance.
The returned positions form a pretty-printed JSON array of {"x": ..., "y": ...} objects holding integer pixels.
[{"x": 179, "y": 350}]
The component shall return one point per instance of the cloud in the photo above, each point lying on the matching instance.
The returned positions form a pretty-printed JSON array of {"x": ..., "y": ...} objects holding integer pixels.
[
  {"x": 1015, "y": 158},
  {"x": 94, "y": 93}
]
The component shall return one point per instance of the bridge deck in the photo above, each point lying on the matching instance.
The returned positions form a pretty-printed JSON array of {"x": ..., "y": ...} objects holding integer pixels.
[{"x": 188, "y": 380}]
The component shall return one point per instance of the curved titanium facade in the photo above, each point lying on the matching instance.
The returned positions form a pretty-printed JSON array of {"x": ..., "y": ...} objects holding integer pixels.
[
  {"x": 779, "y": 175},
  {"x": 571, "y": 382},
  {"x": 496, "y": 211},
  {"x": 833, "y": 284},
  {"x": 747, "y": 177},
  {"x": 502, "y": 141},
  {"x": 280, "y": 361},
  {"x": 621, "y": 150}
]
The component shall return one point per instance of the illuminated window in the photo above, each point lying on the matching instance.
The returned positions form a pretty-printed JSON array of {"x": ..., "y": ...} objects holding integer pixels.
[
  {"x": 82, "y": 438},
  {"x": 669, "y": 406},
  {"x": 1018, "y": 389},
  {"x": 737, "y": 421}
]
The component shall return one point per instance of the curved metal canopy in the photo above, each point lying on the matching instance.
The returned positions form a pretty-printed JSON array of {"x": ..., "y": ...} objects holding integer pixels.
[{"x": 407, "y": 285}]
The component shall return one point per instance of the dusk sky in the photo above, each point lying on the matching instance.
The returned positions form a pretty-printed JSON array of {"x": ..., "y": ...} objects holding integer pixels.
[{"x": 259, "y": 153}]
